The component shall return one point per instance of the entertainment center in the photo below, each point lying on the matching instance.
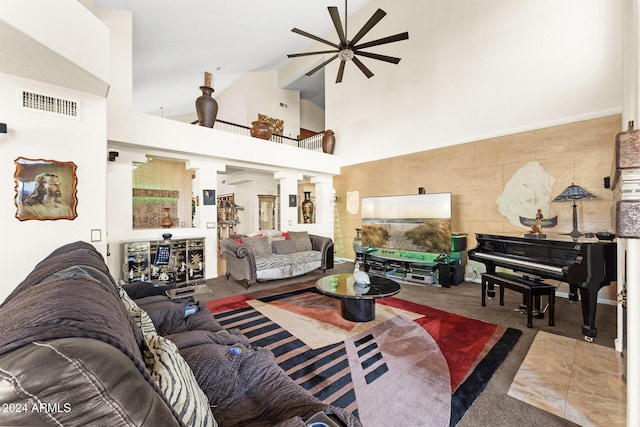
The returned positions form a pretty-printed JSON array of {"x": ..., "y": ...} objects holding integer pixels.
[
  {"x": 423, "y": 268},
  {"x": 408, "y": 238}
]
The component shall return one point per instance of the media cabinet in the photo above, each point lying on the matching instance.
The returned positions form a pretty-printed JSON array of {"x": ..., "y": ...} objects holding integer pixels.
[{"x": 422, "y": 268}]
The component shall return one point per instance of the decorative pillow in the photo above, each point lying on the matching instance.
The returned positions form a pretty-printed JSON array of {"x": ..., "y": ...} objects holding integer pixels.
[
  {"x": 259, "y": 246},
  {"x": 139, "y": 316},
  {"x": 301, "y": 239},
  {"x": 176, "y": 380},
  {"x": 284, "y": 247}
]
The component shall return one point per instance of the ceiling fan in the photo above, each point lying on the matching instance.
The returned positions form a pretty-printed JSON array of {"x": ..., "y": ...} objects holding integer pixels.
[{"x": 347, "y": 50}]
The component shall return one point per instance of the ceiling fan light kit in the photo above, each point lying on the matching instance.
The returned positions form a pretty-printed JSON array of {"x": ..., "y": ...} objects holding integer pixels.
[{"x": 347, "y": 50}]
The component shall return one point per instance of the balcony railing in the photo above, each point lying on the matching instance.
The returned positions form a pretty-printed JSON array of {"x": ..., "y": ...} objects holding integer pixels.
[{"x": 313, "y": 142}]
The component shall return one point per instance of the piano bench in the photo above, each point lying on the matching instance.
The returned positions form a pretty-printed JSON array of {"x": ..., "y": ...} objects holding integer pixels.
[{"x": 531, "y": 291}]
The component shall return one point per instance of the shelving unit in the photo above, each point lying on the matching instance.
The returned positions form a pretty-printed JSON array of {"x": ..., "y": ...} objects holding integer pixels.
[{"x": 227, "y": 216}]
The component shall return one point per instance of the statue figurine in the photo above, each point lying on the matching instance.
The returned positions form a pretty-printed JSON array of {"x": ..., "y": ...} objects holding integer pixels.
[
  {"x": 538, "y": 224},
  {"x": 536, "y": 228}
]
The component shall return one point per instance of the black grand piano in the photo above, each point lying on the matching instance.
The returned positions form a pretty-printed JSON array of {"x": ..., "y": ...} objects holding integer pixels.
[{"x": 585, "y": 264}]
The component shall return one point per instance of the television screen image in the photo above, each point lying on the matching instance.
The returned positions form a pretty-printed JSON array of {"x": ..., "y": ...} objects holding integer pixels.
[{"x": 417, "y": 222}]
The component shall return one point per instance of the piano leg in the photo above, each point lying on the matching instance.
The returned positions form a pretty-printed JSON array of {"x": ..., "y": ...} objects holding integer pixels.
[
  {"x": 589, "y": 303},
  {"x": 491, "y": 290},
  {"x": 573, "y": 293}
]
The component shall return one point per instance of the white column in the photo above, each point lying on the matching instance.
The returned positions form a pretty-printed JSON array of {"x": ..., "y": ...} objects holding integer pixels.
[
  {"x": 288, "y": 187},
  {"x": 632, "y": 246},
  {"x": 206, "y": 218}
]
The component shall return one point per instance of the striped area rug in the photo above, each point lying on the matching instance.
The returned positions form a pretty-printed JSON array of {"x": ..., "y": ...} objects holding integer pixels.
[{"x": 412, "y": 366}]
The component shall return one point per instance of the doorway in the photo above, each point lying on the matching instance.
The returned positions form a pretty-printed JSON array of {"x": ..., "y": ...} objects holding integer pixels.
[{"x": 267, "y": 212}]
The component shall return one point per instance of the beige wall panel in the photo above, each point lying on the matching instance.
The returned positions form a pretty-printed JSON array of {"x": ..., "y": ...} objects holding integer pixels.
[
  {"x": 504, "y": 150},
  {"x": 483, "y": 180},
  {"x": 475, "y": 173}
]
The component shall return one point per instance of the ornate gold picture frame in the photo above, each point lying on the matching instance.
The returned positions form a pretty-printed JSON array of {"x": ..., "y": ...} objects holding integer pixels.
[{"x": 45, "y": 189}]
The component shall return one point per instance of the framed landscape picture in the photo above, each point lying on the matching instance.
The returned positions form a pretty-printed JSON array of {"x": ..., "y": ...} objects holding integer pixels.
[{"x": 45, "y": 189}]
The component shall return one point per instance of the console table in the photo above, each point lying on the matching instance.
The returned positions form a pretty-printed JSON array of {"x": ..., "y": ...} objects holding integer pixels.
[{"x": 186, "y": 266}]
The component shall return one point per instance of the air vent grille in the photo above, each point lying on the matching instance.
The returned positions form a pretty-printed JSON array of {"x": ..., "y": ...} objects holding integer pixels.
[{"x": 50, "y": 104}]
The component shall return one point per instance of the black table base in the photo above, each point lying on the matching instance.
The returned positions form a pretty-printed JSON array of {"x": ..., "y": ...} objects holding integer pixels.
[{"x": 358, "y": 310}]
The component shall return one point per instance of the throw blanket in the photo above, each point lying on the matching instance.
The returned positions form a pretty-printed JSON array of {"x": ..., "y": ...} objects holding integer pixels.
[
  {"x": 71, "y": 298},
  {"x": 249, "y": 388}
]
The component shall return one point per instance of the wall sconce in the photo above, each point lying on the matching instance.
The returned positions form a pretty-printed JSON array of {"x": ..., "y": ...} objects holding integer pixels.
[{"x": 3, "y": 128}]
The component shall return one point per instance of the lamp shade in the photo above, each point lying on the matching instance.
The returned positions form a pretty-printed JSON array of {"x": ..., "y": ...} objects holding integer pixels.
[{"x": 574, "y": 192}]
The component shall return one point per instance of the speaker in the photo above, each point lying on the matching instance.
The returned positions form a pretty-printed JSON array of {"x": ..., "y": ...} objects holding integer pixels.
[
  {"x": 458, "y": 242},
  {"x": 450, "y": 274}
]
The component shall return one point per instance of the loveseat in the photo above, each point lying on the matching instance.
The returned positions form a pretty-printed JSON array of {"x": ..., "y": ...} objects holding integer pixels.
[
  {"x": 271, "y": 254},
  {"x": 76, "y": 349}
]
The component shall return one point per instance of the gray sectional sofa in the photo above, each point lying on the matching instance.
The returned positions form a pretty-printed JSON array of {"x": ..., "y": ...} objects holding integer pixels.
[{"x": 271, "y": 255}]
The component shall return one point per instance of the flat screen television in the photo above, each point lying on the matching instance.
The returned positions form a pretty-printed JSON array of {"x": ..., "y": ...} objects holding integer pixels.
[{"x": 416, "y": 222}]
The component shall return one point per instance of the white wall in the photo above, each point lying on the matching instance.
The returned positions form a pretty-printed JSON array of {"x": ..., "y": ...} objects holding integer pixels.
[
  {"x": 72, "y": 52},
  {"x": 311, "y": 116},
  {"x": 256, "y": 93},
  {"x": 38, "y": 135},
  {"x": 120, "y": 23},
  {"x": 474, "y": 70}
]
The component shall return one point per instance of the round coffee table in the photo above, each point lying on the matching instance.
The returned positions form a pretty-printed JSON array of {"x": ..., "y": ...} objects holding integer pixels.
[{"x": 358, "y": 302}]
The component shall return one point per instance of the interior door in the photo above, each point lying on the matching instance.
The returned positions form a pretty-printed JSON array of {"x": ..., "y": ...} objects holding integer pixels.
[{"x": 266, "y": 212}]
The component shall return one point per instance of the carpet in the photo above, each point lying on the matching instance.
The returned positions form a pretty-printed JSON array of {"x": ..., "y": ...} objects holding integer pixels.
[{"x": 413, "y": 365}]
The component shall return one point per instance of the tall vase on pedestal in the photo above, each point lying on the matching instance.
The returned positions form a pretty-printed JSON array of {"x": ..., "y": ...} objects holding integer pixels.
[
  {"x": 307, "y": 208},
  {"x": 357, "y": 245},
  {"x": 206, "y": 106},
  {"x": 328, "y": 141}
]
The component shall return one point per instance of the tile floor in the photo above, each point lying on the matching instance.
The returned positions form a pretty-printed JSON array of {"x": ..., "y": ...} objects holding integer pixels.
[{"x": 575, "y": 380}]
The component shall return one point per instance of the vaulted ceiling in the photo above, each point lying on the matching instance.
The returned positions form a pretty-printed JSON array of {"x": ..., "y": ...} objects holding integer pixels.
[{"x": 174, "y": 42}]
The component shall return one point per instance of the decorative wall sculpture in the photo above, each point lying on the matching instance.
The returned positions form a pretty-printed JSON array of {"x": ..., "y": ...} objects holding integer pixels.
[{"x": 528, "y": 190}]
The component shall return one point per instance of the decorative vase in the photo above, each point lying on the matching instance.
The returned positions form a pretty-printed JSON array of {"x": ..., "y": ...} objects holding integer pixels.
[
  {"x": 357, "y": 244},
  {"x": 166, "y": 221},
  {"x": 307, "y": 208},
  {"x": 206, "y": 107},
  {"x": 328, "y": 141},
  {"x": 261, "y": 130}
]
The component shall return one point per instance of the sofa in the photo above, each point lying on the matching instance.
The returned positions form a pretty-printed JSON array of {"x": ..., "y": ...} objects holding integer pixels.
[
  {"x": 77, "y": 349},
  {"x": 272, "y": 254}
]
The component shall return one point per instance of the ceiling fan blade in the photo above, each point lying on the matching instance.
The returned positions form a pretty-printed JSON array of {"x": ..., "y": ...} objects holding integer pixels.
[
  {"x": 379, "y": 57},
  {"x": 316, "y": 38},
  {"x": 322, "y": 65},
  {"x": 384, "y": 40},
  {"x": 368, "y": 26},
  {"x": 367, "y": 72},
  {"x": 295, "y": 55},
  {"x": 340, "y": 72},
  {"x": 335, "y": 16}
]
